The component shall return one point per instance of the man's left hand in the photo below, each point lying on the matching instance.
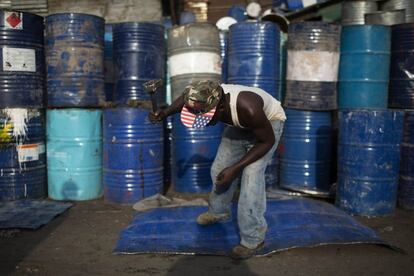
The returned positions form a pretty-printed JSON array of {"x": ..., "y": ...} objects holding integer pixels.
[{"x": 227, "y": 175}]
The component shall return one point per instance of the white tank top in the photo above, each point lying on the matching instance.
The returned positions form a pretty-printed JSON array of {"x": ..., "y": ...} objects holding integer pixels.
[{"x": 271, "y": 107}]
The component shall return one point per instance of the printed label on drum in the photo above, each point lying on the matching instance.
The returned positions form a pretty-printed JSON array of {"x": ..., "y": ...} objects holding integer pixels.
[
  {"x": 13, "y": 20},
  {"x": 312, "y": 66},
  {"x": 19, "y": 59},
  {"x": 30, "y": 152},
  {"x": 194, "y": 63}
]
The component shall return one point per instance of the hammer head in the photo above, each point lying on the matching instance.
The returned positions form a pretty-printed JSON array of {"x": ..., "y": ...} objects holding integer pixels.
[{"x": 152, "y": 85}]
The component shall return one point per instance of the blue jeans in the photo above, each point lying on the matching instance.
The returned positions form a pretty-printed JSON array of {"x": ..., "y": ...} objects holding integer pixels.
[{"x": 251, "y": 207}]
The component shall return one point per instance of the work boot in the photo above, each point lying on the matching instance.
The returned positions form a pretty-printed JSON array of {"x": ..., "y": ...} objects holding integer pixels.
[
  {"x": 241, "y": 252},
  {"x": 209, "y": 218}
]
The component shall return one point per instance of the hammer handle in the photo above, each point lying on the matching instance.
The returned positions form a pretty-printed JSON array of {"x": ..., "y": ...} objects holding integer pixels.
[{"x": 154, "y": 103}]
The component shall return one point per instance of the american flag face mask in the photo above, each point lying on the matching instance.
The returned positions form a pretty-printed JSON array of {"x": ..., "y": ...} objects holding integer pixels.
[{"x": 189, "y": 119}]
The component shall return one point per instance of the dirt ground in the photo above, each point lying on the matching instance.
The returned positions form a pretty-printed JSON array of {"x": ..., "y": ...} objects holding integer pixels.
[{"x": 80, "y": 242}]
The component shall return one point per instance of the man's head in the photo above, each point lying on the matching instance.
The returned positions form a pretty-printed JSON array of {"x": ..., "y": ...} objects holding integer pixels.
[{"x": 200, "y": 102}]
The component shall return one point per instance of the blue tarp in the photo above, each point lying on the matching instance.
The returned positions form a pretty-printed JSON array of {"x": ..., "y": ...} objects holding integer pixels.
[
  {"x": 30, "y": 214},
  {"x": 291, "y": 223}
]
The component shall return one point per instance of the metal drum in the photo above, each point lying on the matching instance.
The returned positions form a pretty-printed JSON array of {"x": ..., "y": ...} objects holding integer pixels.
[
  {"x": 254, "y": 56},
  {"x": 193, "y": 54},
  {"x": 238, "y": 12},
  {"x": 193, "y": 152},
  {"x": 387, "y": 18},
  {"x": 223, "y": 53},
  {"x": 401, "y": 89},
  {"x": 139, "y": 56},
  {"x": 364, "y": 66},
  {"x": 353, "y": 12},
  {"x": 74, "y": 153},
  {"x": 312, "y": 66},
  {"x": 407, "y": 5},
  {"x": 74, "y": 57},
  {"x": 133, "y": 155},
  {"x": 306, "y": 152},
  {"x": 22, "y": 154},
  {"x": 406, "y": 188},
  {"x": 22, "y": 74},
  {"x": 109, "y": 63},
  {"x": 368, "y": 161}
]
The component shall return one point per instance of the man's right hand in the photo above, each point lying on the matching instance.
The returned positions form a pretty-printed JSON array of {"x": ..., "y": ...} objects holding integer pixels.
[{"x": 157, "y": 116}]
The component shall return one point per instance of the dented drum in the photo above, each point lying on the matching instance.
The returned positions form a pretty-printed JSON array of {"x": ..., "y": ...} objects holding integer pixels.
[
  {"x": 368, "y": 161},
  {"x": 74, "y": 57},
  {"x": 133, "y": 155},
  {"x": 22, "y": 154},
  {"x": 312, "y": 66},
  {"x": 139, "y": 56}
]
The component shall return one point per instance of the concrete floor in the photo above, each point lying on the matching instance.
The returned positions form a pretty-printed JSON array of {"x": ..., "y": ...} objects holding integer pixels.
[{"x": 80, "y": 242}]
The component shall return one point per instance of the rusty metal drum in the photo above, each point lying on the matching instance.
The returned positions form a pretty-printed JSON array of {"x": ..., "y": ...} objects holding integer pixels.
[
  {"x": 75, "y": 57},
  {"x": 193, "y": 54},
  {"x": 312, "y": 66}
]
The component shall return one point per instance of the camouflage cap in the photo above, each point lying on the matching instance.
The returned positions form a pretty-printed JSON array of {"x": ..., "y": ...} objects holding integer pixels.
[{"x": 202, "y": 96}]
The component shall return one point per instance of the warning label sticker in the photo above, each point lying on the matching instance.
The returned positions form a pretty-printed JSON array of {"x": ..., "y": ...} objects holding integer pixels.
[
  {"x": 13, "y": 20},
  {"x": 30, "y": 152},
  {"x": 19, "y": 59}
]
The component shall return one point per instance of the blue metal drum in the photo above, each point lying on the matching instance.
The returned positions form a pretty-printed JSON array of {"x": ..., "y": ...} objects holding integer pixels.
[
  {"x": 406, "y": 188},
  {"x": 223, "y": 53},
  {"x": 238, "y": 12},
  {"x": 133, "y": 155},
  {"x": 364, "y": 66},
  {"x": 312, "y": 66},
  {"x": 74, "y": 153},
  {"x": 74, "y": 57},
  {"x": 306, "y": 152},
  {"x": 139, "y": 56},
  {"x": 368, "y": 161},
  {"x": 401, "y": 94},
  {"x": 253, "y": 56},
  {"x": 22, "y": 71},
  {"x": 193, "y": 152},
  {"x": 109, "y": 63},
  {"x": 22, "y": 154}
]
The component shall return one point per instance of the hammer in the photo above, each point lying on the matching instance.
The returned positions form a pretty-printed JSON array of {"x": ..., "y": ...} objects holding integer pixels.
[{"x": 151, "y": 87}]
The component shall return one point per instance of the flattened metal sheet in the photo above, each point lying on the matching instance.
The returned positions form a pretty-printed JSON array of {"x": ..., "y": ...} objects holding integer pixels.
[
  {"x": 292, "y": 223},
  {"x": 30, "y": 214}
]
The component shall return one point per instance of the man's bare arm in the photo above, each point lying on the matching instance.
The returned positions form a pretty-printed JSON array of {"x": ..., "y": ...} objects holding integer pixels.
[{"x": 174, "y": 108}]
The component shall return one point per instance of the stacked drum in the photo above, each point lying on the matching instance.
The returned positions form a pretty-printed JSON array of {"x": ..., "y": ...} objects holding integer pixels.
[
  {"x": 306, "y": 151},
  {"x": 22, "y": 92},
  {"x": 133, "y": 146},
  {"x": 369, "y": 133},
  {"x": 254, "y": 60},
  {"x": 75, "y": 82},
  {"x": 401, "y": 96},
  {"x": 193, "y": 55}
]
